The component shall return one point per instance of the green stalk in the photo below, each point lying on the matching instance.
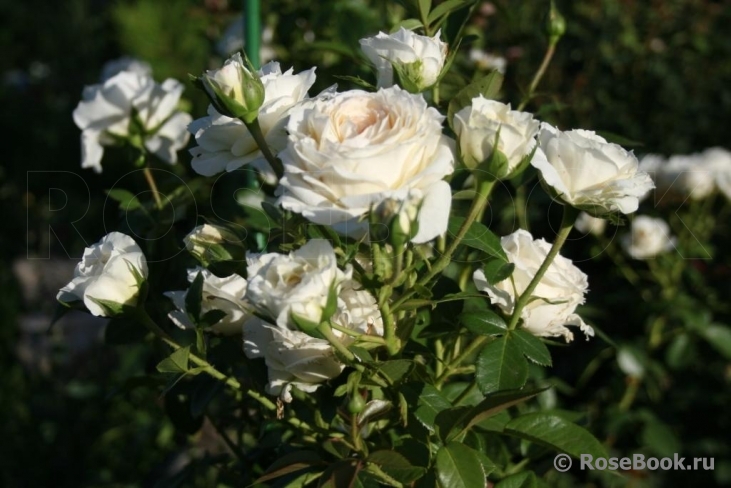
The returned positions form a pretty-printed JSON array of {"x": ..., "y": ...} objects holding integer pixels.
[
  {"x": 256, "y": 133},
  {"x": 478, "y": 204},
  {"x": 539, "y": 74},
  {"x": 212, "y": 371},
  {"x": 567, "y": 222}
]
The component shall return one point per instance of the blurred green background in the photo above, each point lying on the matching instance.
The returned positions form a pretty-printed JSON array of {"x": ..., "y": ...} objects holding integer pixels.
[{"x": 655, "y": 72}]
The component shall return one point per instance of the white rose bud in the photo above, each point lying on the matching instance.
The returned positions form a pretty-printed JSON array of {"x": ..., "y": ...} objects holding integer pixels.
[
  {"x": 225, "y": 144},
  {"x": 213, "y": 243},
  {"x": 585, "y": 171},
  {"x": 556, "y": 297},
  {"x": 224, "y": 294},
  {"x": 234, "y": 90},
  {"x": 647, "y": 238},
  {"x": 397, "y": 220},
  {"x": 296, "y": 359},
  {"x": 586, "y": 224},
  {"x": 348, "y": 153},
  {"x": 484, "y": 123},
  {"x": 419, "y": 60},
  {"x": 297, "y": 283},
  {"x": 108, "y": 277}
]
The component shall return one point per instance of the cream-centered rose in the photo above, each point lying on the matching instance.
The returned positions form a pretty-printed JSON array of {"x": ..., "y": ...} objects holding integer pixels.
[{"x": 349, "y": 152}]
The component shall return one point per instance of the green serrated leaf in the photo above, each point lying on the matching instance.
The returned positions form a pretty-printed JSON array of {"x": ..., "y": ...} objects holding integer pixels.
[
  {"x": 357, "y": 80},
  {"x": 395, "y": 370},
  {"x": 291, "y": 463},
  {"x": 424, "y": 7},
  {"x": 497, "y": 270},
  {"x": 492, "y": 405},
  {"x": 445, "y": 8},
  {"x": 525, "y": 479},
  {"x": 194, "y": 297},
  {"x": 484, "y": 322},
  {"x": 340, "y": 474},
  {"x": 458, "y": 466},
  {"x": 396, "y": 466},
  {"x": 478, "y": 237},
  {"x": 211, "y": 317},
  {"x": 488, "y": 87},
  {"x": 177, "y": 362},
  {"x": 127, "y": 200},
  {"x": 719, "y": 337},
  {"x": 501, "y": 366},
  {"x": 555, "y": 432},
  {"x": 408, "y": 24},
  {"x": 113, "y": 309},
  {"x": 428, "y": 402},
  {"x": 533, "y": 348}
]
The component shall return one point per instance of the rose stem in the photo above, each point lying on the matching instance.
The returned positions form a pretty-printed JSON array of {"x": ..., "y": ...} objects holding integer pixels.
[
  {"x": 567, "y": 223},
  {"x": 211, "y": 370},
  {"x": 258, "y": 136},
  {"x": 478, "y": 204},
  {"x": 539, "y": 74}
]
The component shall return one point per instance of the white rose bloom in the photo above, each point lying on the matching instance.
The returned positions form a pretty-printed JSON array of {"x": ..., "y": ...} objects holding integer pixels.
[
  {"x": 421, "y": 57},
  {"x": 225, "y": 144},
  {"x": 104, "y": 116},
  {"x": 586, "y": 224},
  {"x": 478, "y": 124},
  {"x": 298, "y": 282},
  {"x": 718, "y": 160},
  {"x": 349, "y": 152},
  {"x": 125, "y": 63},
  {"x": 225, "y": 294},
  {"x": 487, "y": 61},
  {"x": 589, "y": 173},
  {"x": 693, "y": 176},
  {"x": 647, "y": 238},
  {"x": 296, "y": 359},
  {"x": 106, "y": 273},
  {"x": 557, "y": 295}
]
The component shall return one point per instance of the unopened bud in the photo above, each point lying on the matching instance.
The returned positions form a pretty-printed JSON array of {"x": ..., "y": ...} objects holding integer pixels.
[
  {"x": 211, "y": 243},
  {"x": 234, "y": 90},
  {"x": 555, "y": 24}
]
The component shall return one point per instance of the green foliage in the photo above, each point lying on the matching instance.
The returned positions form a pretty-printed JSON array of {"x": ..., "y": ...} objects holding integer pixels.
[{"x": 647, "y": 75}]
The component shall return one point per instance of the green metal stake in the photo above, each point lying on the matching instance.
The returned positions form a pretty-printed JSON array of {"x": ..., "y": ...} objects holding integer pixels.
[
  {"x": 252, "y": 47},
  {"x": 252, "y": 31}
]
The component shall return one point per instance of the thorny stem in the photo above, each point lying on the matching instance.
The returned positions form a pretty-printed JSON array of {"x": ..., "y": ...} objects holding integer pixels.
[{"x": 211, "y": 370}]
